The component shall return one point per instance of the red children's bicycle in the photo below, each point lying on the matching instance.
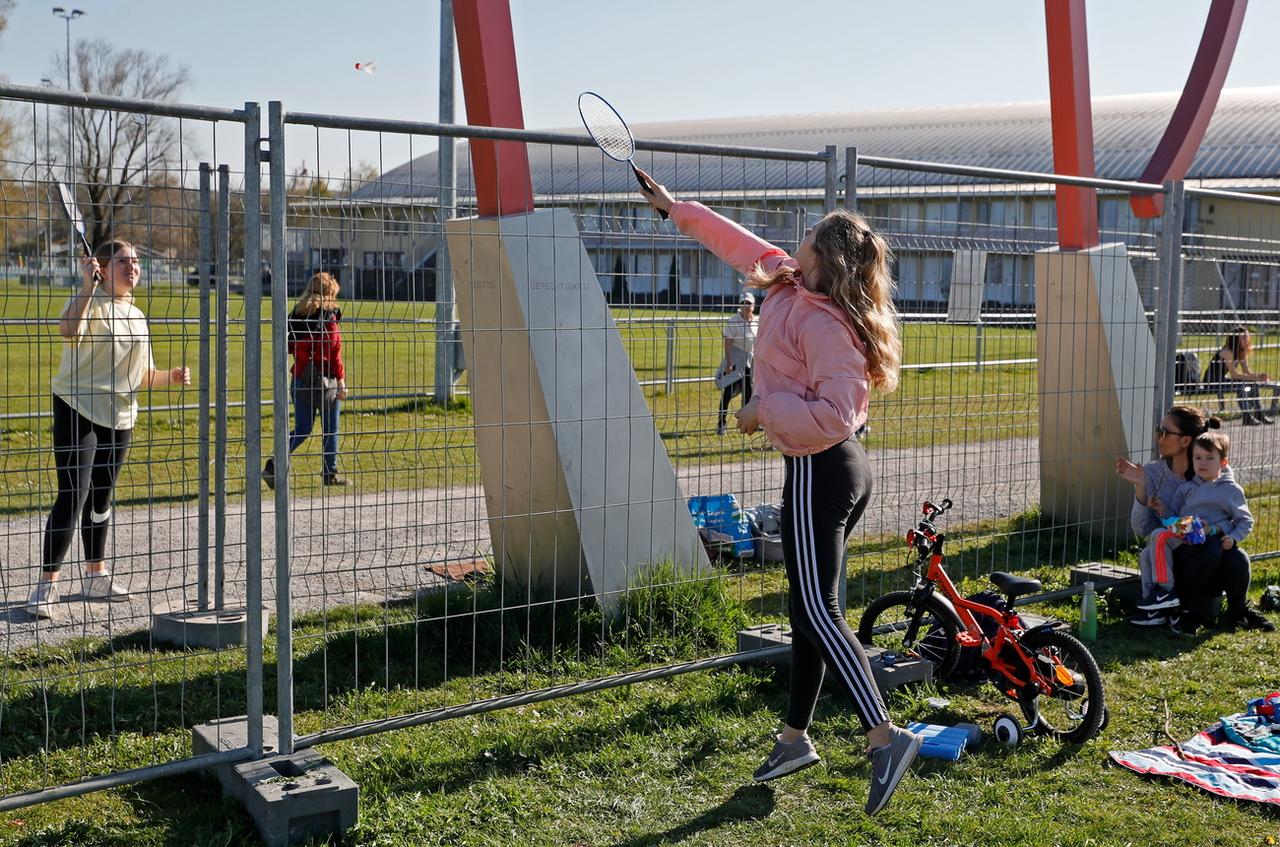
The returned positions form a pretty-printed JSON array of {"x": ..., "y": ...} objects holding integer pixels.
[{"x": 1048, "y": 672}]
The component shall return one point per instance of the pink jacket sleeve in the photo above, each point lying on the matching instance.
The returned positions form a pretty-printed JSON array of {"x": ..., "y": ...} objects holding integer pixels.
[
  {"x": 734, "y": 245},
  {"x": 837, "y": 375}
]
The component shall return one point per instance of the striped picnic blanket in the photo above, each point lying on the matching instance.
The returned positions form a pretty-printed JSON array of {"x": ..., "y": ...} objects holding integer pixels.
[{"x": 1211, "y": 761}]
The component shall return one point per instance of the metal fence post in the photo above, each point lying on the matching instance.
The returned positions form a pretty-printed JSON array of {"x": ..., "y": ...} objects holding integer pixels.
[
  {"x": 202, "y": 420},
  {"x": 851, "y": 178},
  {"x": 445, "y": 364},
  {"x": 253, "y": 420},
  {"x": 671, "y": 357},
  {"x": 222, "y": 273},
  {"x": 977, "y": 344},
  {"x": 280, "y": 425},
  {"x": 831, "y": 182},
  {"x": 1169, "y": 296}
]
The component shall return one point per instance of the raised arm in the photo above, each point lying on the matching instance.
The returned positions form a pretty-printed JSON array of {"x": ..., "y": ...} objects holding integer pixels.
[
  {"x": 71, "y": 321},
  {"x": 732, "y": 244}
]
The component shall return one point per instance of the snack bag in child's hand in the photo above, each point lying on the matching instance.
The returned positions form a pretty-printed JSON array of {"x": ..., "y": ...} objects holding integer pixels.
[{"x": 1194, "y": 533}]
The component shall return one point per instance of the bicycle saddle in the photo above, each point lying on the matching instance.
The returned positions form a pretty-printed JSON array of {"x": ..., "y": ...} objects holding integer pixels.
[{"x": 1015, "y": 586}]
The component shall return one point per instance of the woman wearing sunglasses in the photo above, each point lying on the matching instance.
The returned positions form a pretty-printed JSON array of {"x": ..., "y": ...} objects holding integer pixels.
[{"x": 1200, "y": 572}]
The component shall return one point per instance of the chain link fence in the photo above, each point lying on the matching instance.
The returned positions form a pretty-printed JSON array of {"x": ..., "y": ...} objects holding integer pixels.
[{"x": 394, "y": 603}]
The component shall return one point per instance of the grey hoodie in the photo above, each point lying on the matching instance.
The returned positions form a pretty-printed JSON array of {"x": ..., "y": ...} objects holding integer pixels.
[{"x": 1219, "y": 504}]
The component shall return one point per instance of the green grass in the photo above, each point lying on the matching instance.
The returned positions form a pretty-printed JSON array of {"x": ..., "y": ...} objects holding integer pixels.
[
  {"x": 657, "y": 763},
  {"x": 409, "y": 443},
  {"x": 413, "y": 443}
]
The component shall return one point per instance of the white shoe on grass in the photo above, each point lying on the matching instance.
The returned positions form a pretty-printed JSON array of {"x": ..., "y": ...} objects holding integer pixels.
[{"x": 100, "y": 586}]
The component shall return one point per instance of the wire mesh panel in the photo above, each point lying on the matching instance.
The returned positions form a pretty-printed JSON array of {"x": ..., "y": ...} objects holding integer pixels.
[
  {"x": 1229, "y": 351},
  {"x": 106, "y": 477},
  {"x": 405, "y": 601},
  {"x": 967, "y": 421},
  {"x": 497, "y": 459}
]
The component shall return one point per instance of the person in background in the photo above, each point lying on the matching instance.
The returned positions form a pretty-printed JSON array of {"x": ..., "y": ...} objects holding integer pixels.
[
  {"x": 319, "y": 381},
  {"x": 734, "y": 374},
  {"x": 1229, "y": 369}
]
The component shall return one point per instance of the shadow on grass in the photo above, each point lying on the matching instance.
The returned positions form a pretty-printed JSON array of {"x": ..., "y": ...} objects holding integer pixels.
[
  {"x": 750, "y": 802},
  {"x": 365, "y": 650}
]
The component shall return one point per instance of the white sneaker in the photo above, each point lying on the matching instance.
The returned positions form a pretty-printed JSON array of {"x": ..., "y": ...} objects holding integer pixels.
[
  {"x": 43, "y": 602},
  {"x": 100, "y": 586}
]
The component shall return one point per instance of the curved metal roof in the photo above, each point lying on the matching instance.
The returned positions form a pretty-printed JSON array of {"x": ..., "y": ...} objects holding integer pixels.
[{"x": 1242, "y": 144}]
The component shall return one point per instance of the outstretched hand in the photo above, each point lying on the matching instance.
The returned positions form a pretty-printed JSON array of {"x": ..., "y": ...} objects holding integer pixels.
[
  {"x": 180, "y": 376},
  {"x": 660, "y": 198}
]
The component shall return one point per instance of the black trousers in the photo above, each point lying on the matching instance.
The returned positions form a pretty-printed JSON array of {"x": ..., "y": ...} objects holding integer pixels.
[
  {"x": 823, "y": 498},
  {"x": 744, "y": 385},
  {"x": 88, "y": 458},
  {"x": 1203, "y": 571}
]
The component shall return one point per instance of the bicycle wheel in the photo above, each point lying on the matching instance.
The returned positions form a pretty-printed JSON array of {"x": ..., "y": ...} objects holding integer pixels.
[
  {"x": 1075, "y": 710},
  {"x": 928, "y": 632}
]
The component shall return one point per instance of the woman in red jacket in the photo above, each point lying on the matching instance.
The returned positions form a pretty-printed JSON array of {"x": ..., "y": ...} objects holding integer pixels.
[{"x": 319, "y": 379}]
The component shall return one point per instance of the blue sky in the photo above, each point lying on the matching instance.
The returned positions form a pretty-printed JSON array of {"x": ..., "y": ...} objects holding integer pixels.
[{"x": 657, "y": 60}]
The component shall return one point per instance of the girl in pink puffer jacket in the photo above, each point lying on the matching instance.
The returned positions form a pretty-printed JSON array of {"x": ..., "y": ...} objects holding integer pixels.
[{"x": 828, "y": 333}]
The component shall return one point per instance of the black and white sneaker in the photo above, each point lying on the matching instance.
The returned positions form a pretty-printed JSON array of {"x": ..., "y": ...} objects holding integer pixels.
[
  {"x": 787, "y": 758},
  {"x": 1250, "y": 619},
  {"x": 1149, "y": 619},
  {"x": 1159, "y": 599}
]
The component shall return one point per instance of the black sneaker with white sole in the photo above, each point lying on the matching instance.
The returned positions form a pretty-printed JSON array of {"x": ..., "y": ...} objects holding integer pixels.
[
  {"x": 1159, "y": 599},
  {"x": 787, "y": 758},
  {"x": 1149, "y": 619}
]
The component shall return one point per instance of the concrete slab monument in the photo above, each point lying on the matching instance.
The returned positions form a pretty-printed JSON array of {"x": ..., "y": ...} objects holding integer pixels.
[
  {"x": 580, "y": 492},
  {"x": 1096, "y": 383}
]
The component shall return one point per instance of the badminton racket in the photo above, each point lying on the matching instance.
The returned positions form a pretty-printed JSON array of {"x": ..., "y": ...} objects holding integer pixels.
[
  {"x": 71, "y": 212},
  {"x": 610, "y": 133}
]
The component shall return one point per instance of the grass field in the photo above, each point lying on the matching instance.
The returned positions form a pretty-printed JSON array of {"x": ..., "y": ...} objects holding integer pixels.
[
  {"x": 660, "y": 763},
  {"x": 401, "y": 442}
]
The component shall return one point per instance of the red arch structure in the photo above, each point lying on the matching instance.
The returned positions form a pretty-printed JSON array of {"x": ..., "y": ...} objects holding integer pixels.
[
  {"x": 1071, "y": 112},
  {"x": 491, "y": 86}
]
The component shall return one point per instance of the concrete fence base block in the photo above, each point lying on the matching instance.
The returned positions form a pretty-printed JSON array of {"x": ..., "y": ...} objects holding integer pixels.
[
  {"x": 292, "y": 798},
  {"x": 210, "y": 629},
  {"x": 903, "y": 671}
]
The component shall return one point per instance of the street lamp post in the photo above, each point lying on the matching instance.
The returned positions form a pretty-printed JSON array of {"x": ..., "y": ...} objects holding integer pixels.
[
  {"x": 46, "y": 261},
  {"x": 59, "y": 12}
]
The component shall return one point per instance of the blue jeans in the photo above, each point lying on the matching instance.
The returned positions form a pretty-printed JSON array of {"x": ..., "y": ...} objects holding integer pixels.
[{"x": 306, "y": 403}]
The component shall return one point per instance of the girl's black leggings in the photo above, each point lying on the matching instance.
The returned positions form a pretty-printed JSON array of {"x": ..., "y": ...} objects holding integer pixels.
[
  {"x": 823, "y": 498},
  {"x": 88, "y": 458}
]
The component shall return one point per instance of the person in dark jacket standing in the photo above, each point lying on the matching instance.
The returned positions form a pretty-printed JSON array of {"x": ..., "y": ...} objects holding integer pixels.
[{"x": 319, "y": 381}]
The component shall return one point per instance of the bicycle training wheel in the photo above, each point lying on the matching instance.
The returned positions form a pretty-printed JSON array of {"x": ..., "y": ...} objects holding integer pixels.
[
  {"x": 893, "y": 622},
  {"x": 1075, "y": 710}
]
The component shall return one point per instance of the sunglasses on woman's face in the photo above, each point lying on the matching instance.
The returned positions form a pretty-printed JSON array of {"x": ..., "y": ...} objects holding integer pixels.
[{"x": 1161, "y": 432}]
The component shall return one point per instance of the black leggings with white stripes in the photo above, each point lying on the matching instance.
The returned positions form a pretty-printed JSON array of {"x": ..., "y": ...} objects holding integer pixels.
[
  {"x": 824, "y": 496},
  {"x": 88, "y": 458}
]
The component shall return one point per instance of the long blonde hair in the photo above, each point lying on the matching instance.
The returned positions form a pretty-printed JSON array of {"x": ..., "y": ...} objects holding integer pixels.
[
  {"x": 321, "y": 294},
  {"x": 853, "y": 270}
]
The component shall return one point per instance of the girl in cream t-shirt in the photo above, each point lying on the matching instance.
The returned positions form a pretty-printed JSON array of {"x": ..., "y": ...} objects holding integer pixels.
[{"x": 106, "y": 360}]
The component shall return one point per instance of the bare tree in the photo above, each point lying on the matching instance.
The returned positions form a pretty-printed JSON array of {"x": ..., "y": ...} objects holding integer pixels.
[{"x": 120, "y": 157}]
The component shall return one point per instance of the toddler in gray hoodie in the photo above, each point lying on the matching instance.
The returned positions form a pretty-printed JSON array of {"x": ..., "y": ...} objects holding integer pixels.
[{"x": 1214, "y": 497}]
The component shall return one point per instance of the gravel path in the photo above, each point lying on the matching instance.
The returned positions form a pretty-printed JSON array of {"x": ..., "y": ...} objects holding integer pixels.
[{"x": 350, "y": 547}]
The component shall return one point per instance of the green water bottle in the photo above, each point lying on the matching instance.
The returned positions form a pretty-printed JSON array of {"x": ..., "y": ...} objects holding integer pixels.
[{"x": 1089, "y": 614}]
